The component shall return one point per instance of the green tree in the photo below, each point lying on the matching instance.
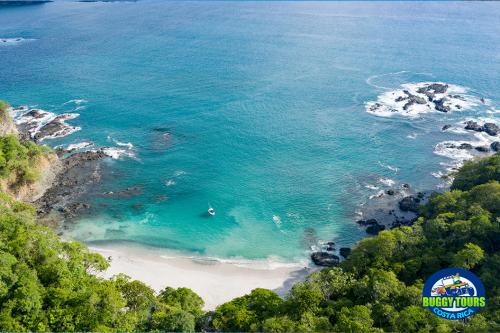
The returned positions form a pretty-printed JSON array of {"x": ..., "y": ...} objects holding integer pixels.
[
  {"x": 354, "y": 320},
  {"x": 469, "y": 256},
  {"x": 182, "y": 298}
]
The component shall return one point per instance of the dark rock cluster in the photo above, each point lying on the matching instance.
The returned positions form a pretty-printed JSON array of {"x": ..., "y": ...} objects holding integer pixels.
[
  {"x": 431, "y": 90},
  {"x": 489, "y": 128},
  {"x": 79, "y": 171},
  {"x": 410, "y": 204},
  {"x": 411, "y": 99},
  {"x": 325, "y": 259}
]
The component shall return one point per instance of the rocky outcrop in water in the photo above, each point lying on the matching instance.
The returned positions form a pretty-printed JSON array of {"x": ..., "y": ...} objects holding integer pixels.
[
  {"x": 325, "y": 259},
  {"x": 410, "y": 100},
  {"x": 440, "y": 106},
  {"x": 489, "y": 128},
  {"x": 409, "y": 204},
  {"x": 432, "y": 89}
]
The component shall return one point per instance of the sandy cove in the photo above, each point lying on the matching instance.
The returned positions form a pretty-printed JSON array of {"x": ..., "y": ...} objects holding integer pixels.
[{"x": 216, "y": 281}]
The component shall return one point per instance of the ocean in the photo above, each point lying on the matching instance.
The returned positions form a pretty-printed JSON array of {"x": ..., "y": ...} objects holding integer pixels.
[{"x": 265, "y": 111}]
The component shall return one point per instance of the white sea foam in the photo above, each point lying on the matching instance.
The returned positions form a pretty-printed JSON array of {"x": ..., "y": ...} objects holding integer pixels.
[
  {"x": 170, "y": 182},
  {"x": 76, "y": 101},
  {"x": 270, "y": 263},
  {"x": 179, "y": 173},
  {"x": 378, "y": 195},
  {"x": 80, "y": 108},
  {"x": 371, "y": 187},
  {"x": 79, "y": 145},
  {"x": 14, "y": 41},
  {"x": 277, "y": 220},
  {"x": 387, "y": 181},
  {"x": 396, "y": 102},
  {"x": 458, "y": 154},
  {"x": 118, "y": 153},
  {"x": 387, "y": 166},
  {"x": 148, "y": 218},
  {"x": 370, "y": 80},
  {"x": 450, "y": 149},
  {"x": 129, "y": 145}
]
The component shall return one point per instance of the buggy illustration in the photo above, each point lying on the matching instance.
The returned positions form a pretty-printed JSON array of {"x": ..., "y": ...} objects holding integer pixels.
[{"x": 457, "y": 288}]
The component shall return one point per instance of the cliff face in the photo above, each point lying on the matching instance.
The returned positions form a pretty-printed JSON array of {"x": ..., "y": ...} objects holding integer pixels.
[
  {"x": 47, "y": 165},
  {"x": 7, "y": 126}
]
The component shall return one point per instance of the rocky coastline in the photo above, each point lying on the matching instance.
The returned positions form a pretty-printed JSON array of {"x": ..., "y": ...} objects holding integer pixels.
[
  {"x": 400, "y": 208},
  {"x": 65, "y": 174},
  {"x": 397, "y": 207}
]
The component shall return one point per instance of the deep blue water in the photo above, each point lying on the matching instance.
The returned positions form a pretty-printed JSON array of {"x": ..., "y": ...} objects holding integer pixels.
[{"x": 264, "y": 102}]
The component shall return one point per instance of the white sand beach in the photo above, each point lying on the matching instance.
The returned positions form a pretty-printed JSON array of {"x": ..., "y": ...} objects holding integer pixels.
[{"x": 216, "y": 281}]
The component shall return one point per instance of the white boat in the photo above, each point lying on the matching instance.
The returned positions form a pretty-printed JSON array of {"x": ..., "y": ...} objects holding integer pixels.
[{"x": 211, "y": 211}]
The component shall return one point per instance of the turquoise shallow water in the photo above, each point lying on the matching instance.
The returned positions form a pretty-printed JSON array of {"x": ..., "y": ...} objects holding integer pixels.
[{"x": 264, "y": 102}]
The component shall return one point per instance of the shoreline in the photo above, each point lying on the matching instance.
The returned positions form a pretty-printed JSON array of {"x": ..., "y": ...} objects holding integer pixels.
[{"x": 215, "y": 280}]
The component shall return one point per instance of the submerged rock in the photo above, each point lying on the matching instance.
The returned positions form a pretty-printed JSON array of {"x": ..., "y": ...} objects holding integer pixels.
[
  {"x": 126, "y": 192},
  {"x": 325, "y": 259},
  {"x": 445, "y": 127}
]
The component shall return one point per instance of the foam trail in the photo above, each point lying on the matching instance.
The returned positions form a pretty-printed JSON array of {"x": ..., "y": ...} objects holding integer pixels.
[
  {"x": 387, "y": 166},
  {"x": 369, "y": 80},
  {"x": 387, "y": 181},
  {"x": 79, "y": 145},
  {"x": 118, "y": 153},
  {"x": 75, "y": 101}
]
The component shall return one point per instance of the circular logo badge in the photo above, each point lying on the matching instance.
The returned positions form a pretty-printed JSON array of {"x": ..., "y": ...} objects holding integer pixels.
[{"x": 453, "y": 293}]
